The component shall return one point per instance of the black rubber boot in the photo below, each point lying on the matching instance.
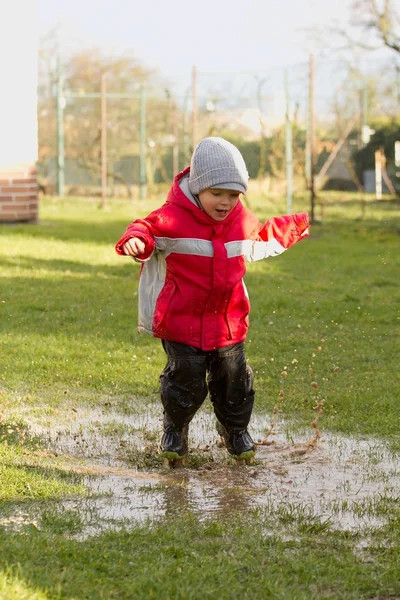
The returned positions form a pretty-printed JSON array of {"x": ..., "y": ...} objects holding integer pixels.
[
  {"x": 239, "y": 444},
  {"x": 174, "y": 441}
]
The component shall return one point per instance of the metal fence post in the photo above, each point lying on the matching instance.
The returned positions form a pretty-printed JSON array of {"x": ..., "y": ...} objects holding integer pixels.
[
  {"x": 143, "y": 191},
  {"x": 60, "y": 130},
  {"x": 103, "y": 104},
  {"x": 312, "y": 137},
  {"x": 288, "y": 148}
]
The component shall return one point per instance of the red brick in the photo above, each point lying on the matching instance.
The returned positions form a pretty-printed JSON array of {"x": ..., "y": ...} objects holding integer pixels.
[
  {"x": 8, "y": 208},
  {"x": 20, "y": 206},
  {"x": 26, "y": 180},
  {"x": 27, "y": 198},
  {"x": 28, "y": 194},
  {"x": 19, "y": 193},
  {"x": 11, "y": 218},
  {"x": 10, "y": 189}
]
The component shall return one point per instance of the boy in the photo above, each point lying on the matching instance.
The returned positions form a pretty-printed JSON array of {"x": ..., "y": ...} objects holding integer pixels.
[{"x": 192, "y": 295}]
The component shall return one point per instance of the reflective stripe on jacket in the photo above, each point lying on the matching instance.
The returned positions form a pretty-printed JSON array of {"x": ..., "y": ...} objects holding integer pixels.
[{"x": 191, "y": 287}]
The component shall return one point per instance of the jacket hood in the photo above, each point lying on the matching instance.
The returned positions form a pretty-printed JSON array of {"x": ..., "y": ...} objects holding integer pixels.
[
  {"x": 183, "y": 183},
  {"x": 180, "y": 194}
]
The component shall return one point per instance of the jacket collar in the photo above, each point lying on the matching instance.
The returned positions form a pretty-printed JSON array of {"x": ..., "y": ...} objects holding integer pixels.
[{"x": 180, "y": 194}]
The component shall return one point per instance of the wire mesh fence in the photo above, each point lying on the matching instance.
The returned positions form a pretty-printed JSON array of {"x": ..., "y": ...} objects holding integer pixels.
[{"x": 126, "y": 136}]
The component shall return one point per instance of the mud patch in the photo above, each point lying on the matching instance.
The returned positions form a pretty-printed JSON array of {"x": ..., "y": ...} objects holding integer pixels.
[{"x": 343, "y": 482}]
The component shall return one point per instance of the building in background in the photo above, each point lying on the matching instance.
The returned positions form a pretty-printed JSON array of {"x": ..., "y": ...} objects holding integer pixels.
[{"x": 18, "y": 112}]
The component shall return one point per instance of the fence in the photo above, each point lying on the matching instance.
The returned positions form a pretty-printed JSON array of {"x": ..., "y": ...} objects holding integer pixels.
[{"x": 296, "y": 127}]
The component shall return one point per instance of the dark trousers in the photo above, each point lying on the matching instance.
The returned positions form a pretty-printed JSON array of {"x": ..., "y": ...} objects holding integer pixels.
[{"x": 190, "y": 374}]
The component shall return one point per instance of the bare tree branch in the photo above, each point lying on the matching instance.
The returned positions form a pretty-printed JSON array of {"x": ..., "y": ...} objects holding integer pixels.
[{"x": 382, "y": 21}]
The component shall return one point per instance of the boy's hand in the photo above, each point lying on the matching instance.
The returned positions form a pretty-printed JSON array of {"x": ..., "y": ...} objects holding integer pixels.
[{"x": 133, "y": 247}]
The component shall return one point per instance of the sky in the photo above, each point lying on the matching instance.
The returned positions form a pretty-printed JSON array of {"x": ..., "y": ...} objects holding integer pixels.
[{"x": 173, "y": 35}]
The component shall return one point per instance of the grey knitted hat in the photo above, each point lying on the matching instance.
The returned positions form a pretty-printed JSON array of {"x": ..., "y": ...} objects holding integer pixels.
[{"x": 216, "y": 163}]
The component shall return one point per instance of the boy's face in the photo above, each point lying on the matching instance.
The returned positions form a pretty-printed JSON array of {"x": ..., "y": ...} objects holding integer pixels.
[{"x": 218, "y": 203}]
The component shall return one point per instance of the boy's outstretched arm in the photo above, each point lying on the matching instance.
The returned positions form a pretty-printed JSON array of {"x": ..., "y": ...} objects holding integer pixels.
[
  {"x": 277, "y": 235},
  {"x": 286, "y": 230}
]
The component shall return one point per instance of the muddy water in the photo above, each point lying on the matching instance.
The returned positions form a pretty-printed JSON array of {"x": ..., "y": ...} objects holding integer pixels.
[{"x": 338, "y": 480}]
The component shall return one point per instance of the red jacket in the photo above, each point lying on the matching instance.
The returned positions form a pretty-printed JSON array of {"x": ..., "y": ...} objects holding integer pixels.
[{"x": 191, "y": 287}]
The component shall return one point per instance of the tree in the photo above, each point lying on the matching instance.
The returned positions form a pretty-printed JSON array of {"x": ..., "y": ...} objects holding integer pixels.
[
  {"x": 82, "y": 73},
  {"x": 370, "y": 25},
  {"x": 381, "y": 19}
]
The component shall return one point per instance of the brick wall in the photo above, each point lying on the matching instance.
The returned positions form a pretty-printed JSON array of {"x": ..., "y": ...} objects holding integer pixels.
[{"x": 18, "y": 194}]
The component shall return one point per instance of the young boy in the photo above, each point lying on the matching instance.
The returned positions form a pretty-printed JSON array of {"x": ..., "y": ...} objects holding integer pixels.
[{"x": 192, "y": 295}]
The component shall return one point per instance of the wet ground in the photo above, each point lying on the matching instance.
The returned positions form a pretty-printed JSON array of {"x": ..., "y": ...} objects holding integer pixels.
[{"x": 339, "y": 480}]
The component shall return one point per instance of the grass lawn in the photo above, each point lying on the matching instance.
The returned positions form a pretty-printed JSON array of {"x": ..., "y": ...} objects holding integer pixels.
[{"x": 325, "y": 331}]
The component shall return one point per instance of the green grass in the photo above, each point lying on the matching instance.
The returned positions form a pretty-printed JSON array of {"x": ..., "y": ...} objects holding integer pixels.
[
  {"x": 327, "y": 311},
  {"x": 243, "y": 557},
  {"x": 68, "y": 315},
  {"x": 333, "y": 305},
  {"x": 27, "y": 472}
]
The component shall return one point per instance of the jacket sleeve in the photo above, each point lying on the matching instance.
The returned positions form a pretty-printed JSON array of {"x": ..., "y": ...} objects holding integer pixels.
[
  {"x": 277, "y": 235},
  {"x": 142, "y": 229}
]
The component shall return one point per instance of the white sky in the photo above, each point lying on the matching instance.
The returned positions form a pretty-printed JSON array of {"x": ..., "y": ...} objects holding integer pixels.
[{"x": 173, "y": 35}]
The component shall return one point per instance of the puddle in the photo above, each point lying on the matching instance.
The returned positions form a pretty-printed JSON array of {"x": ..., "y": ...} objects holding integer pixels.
[
  {"x": 101, "y": 435},
  {"x": 340, "y": 481}
]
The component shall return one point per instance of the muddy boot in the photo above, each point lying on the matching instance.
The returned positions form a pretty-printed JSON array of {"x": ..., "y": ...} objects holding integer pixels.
[
  {"x": 238, "y": 443},
  {"x": 174, "y": 444}
]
